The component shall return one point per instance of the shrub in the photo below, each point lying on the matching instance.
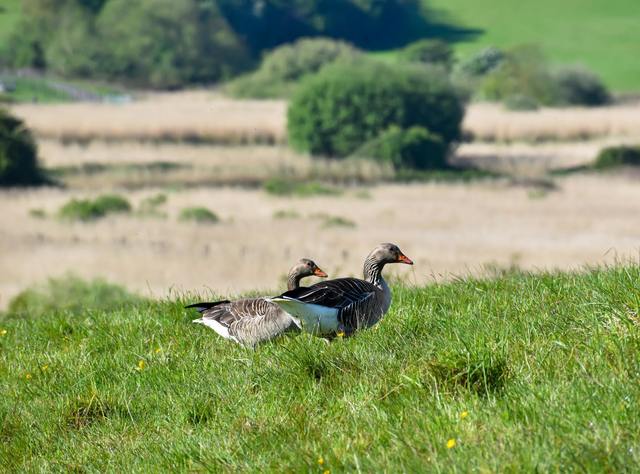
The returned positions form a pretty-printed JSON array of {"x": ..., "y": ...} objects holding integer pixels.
[
  {"x": 18, "y": 153},
  {"x": 201, "y": 215},
  {"x": 414, "y": 148},
  {"x": 524, "y": 72},
  {"x": 87, "y": 209},
  {"x": 111, "y": 203},
  {"x": 483, "y": 62},
  {"x": 70, "y": 293},
  {"x": 430, "y": 51},
  {"x": 342, "y": 107},
  {"x": 282, "y": 68},
  {"x": 579, "y": 86},
  {"x": 618, "y": 156}
]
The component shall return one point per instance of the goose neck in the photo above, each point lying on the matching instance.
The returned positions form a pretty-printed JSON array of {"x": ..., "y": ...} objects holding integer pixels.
[
  {"x": 293, "y": 281},
  {"x": 373, "y": 271}
]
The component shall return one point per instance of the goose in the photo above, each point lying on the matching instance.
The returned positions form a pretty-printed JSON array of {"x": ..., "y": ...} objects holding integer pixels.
[
  {"x": 344, "y": 305},
  {"x": 250, "y": 321}
]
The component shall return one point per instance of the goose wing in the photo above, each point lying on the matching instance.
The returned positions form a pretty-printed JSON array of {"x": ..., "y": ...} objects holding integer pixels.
[
  {"x": 354, "y": 299},
  {"x": 248, "y": 321}
]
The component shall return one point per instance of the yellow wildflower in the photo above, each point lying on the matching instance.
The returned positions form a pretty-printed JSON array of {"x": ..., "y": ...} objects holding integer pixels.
[
  {"x": 158, "y": 350},
  {"x": 451, "y": 443},
  {"x": 340, "y": 333},
  {"x": 141, "y": 365},
  {"x": 327, "y": 471},
  {"x": 320, "y": 460},
  {"x": 45, "y": 367},
  {"x": 464, "y": 414},
  {"x": 27, "y": 376},
  {"x": 3, "y": 332}
]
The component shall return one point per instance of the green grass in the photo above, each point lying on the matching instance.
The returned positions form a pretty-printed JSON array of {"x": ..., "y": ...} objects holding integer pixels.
[
  {"x": 10, "y": 12},
  {"x": 88, "y": 210},
  {"x": 284, "y": 187},
  {"x": 201, "y": 215},
  {"x": 602, "y": 35},
  {"x": 547, "y": 368}
]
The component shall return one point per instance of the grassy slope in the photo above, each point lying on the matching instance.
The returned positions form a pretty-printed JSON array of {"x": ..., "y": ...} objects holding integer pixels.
[
  {"x": 547, "y": 368},
  {"x": 9, "y": 16},
  {"x": 603, "y": 35}
]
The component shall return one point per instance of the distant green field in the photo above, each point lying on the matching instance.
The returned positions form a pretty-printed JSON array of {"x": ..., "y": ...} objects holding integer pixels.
[
  {"x": 602, "y": 34},
  {"x": 9, "y": 16},
  {"x": 520, "y": 373}
]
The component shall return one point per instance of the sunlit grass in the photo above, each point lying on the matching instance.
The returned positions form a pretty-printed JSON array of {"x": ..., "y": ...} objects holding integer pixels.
[{"x": 518, "y": 373}]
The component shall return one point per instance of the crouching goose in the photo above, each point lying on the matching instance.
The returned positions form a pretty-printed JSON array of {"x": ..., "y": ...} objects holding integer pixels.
[
  {"x": 344, "y": 305},
  {"x": 250, "y": 321}
]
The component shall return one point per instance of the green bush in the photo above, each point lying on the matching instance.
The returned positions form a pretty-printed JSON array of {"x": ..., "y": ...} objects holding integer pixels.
[
  {"x": 282, "y": 68},
  {"x": 414, "y": 148},
  {"x": 198, "y": 214},
  {"x": 612, "y": 157},
  {"x": 429, "y": 51},
  {"x": 344, "y": 106},
  {"x": 87, "y": 209},
  {"x": 524, "y": 72},
  {"x": 579, "y": 86},
  {"x": 70, "y": 294},
  {"x": 483, "y": 62},
  {"x": 18, "y": 153}
]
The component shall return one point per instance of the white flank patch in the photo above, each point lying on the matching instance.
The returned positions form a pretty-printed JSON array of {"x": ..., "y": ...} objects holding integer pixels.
[
  {"x": 315, "y": 319},
  {"x": 217, "y": 327}
]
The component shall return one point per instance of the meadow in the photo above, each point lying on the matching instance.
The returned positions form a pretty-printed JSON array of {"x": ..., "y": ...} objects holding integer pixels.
[
  {"x": 513, "y": 373},
  {"x": 601, "y": 35}
]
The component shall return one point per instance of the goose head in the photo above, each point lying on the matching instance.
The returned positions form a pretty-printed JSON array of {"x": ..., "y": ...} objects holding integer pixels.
[
  {"x": 379, "y": 257},
  {"x": 389, "y": 253},
  {"x": 304, "y": 268}
]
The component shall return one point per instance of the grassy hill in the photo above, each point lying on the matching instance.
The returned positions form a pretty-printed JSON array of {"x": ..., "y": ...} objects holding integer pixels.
[
  {"x": 603, "y": 35},
  {"x": 518, "y": 373},
  {"x": 9, "y": 16}
]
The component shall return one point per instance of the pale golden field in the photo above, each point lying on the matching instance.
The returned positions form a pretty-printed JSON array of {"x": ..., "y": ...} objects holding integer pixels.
[
  {"x": 448, "y": 229},
  {"x": 151, "y": 146},
  {"x": 207, "y": 116}
]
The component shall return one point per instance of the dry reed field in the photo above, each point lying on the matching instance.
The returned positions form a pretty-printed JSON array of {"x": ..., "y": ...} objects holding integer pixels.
[
  {"x": 448, "y": 229},
  {"x": 187, "y": 116},
  {"x": 207, "y": 116},
  {"x": 134, "y": 164}
]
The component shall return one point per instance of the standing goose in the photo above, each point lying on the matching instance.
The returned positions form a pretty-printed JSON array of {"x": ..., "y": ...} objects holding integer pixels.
[
  {"x": 345, "y": 305},
  {"x": 253, "y": 320}
]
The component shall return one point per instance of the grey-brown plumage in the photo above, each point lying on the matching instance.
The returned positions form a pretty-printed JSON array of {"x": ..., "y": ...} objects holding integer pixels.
[
  {"x": 345, "y": 305},
  {"x": 253, "y": 320}
]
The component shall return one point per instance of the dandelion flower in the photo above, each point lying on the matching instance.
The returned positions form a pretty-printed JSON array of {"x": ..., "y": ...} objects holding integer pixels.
[
  {"x": 27, "y": 376},
  {"x": 340, "y": 334},
  {"x": 158, "y": 350},
  {"x": 45, "y": 367},
  {"x": 451, "y": 443},
  {"x": 141, "y": 365},
  {"x": 464, "y": 414},
  {"x": 3, "y": 332},
  {"x": 327, "y": 471},
  {"x": 320, "y": 460}
]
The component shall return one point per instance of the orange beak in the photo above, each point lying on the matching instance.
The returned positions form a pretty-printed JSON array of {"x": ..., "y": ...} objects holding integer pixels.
[
  {"x": 319, "y": 273},
  {"x": 404, "y": 259}
]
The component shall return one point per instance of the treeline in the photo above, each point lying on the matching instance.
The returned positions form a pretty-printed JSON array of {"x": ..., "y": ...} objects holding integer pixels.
[{"x": 169, "y": 43}]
